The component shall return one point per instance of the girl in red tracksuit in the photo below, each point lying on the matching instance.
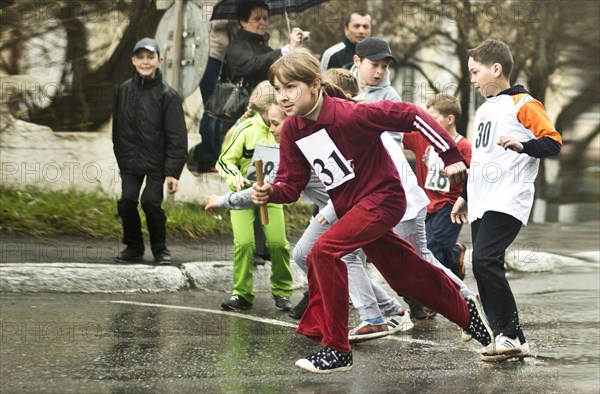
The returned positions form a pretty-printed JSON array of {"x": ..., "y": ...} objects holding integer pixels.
[{"x": 341, "y": 141}]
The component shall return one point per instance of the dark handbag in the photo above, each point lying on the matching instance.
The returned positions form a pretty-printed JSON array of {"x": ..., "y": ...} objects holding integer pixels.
[{"x": 228, "y": 101}]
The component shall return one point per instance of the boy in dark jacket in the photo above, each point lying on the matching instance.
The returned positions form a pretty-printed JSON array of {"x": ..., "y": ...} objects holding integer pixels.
[{"x": 150, "y": 142}]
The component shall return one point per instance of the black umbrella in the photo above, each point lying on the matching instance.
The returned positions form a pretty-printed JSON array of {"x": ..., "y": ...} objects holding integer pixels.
[{"x": 227, "y": 9}]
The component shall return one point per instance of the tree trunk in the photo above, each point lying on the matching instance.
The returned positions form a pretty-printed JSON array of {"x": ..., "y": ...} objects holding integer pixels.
[
  {"x": 543, "y": 65},
  {"x": 571, "y": 168},
  {"x": 87, "y": 100}
]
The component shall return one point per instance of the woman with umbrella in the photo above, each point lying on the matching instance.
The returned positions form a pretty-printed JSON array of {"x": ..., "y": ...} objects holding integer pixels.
[{"x": 249, "y": 55}]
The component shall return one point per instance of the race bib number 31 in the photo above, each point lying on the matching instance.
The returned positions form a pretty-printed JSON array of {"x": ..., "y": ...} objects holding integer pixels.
[{"x": 327, "y": 160}]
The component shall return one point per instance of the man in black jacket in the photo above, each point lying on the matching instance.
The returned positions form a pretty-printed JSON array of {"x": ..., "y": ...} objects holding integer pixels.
[
  {"x": 150, "y": 142},
  {"x": 357, "y": 27}
]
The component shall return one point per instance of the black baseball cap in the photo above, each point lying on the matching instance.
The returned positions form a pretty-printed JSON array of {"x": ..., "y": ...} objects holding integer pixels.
[
  {"x": 148, "y": 44},
  {"x": 375, "y": 49}
]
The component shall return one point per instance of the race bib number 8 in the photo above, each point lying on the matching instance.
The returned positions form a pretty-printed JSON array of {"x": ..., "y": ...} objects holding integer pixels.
[
  {"x": 326, "y": 159},
  {"x": 270, "y": 158}
]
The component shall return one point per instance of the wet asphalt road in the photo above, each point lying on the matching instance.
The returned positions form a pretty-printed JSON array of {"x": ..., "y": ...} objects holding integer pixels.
[{"x": 182, "y": 342}]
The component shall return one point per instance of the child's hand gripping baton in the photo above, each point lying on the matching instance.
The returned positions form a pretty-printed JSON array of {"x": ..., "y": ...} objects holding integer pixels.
[{"x": 260, "y": 180}]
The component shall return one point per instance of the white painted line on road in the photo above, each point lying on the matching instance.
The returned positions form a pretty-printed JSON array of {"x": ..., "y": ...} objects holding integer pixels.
[
  {"x": 188, "y": 308},
  {"x": 400, "y": 338}
]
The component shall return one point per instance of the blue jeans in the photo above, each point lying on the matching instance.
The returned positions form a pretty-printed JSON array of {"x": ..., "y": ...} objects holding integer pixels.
[
  {"x": 442, "y": 235},
  {"x": 207, "y": 152}
]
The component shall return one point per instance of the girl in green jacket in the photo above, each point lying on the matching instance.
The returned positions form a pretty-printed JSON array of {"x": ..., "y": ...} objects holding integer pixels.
[{"x": 235, "y": 161}]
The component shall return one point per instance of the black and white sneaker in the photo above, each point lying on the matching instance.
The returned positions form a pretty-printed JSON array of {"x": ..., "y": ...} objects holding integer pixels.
[
  {"x": 498, "y": 358},
  {"x": 400, "y": 322},
  {"x": 478, "y": 326},
  {"x": 236, "y": 303},
  {"x": 326, "y": 360},
  {"x": 502, "y": 345}
]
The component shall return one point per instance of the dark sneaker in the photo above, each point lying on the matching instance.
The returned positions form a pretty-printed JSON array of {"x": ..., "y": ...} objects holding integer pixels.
[
  {"x": 326, "y": 360},
  {"x": 298, "y": 310},
  {"x": 130, "y": 255},
  {"x": 417, "y": 310},
  {"x": 259, "y": 261},
  {"x": 478, "y": 326},
  {"x": 163, "y": 257},
  {"x": 460, "y": 269},
  {"x": 236, "y": 303},
  {"x": 212, "y": 169},
  {"x": 431, "y": 313},
  {"x": 282, "y": 303},
  {"x": 366, "y": 331}
]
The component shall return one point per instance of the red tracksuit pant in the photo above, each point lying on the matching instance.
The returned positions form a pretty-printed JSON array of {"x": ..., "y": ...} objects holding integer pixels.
[{"x": 326, "y": 318}]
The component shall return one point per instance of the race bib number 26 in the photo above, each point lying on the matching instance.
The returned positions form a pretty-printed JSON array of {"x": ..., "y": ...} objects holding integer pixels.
[
  {"x": 436, "y": 179},
  {"x": 326, "y": 159}
]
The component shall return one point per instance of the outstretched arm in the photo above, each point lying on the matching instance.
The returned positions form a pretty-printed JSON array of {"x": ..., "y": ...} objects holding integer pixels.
[{"x": 233, "y": 200}]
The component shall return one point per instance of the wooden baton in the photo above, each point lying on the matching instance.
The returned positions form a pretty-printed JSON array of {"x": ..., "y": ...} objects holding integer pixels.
[{"x": 260, "y": 180}]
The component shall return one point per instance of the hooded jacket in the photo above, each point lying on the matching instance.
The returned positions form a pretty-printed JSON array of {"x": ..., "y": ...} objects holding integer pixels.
[
  {"x": 383, "y": 91},
  {"x": 149, "y": 132}
]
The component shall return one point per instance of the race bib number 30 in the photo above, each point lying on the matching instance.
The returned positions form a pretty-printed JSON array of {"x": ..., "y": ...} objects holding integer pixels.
[
  {"x": 327, "y": 160},
  {"x": 484, "y": 132}
]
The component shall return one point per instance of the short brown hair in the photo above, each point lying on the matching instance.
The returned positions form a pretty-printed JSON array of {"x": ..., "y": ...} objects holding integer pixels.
[
  {"x": 446, "y": 105},
  {"x": 493, "y": 51}
]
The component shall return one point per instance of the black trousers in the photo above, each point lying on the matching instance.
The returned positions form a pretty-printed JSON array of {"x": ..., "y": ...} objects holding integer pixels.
[
  {"x": 152, "y": 198},
  {"x": 491, "y": 236}
]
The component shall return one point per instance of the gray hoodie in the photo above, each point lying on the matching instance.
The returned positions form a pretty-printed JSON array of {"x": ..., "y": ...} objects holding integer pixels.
[{"x": 383, "y": 91}]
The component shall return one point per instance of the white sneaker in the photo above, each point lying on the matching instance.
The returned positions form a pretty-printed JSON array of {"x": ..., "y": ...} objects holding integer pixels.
[
  {"x": 400, "y": 323},
  {"x": 502, "y": 345},
  {"x": 497, "y": 358}
]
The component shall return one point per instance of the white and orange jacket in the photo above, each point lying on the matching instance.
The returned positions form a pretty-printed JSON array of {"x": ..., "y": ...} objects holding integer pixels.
[{"x": 503, "y": 180}]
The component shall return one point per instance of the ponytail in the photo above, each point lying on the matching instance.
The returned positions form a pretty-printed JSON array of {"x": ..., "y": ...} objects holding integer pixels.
[
  {"x": 260, "y": 100},
  {"x": 334, "y": 90}
]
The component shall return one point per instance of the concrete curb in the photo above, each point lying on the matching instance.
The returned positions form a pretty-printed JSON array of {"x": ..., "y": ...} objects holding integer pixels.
[
  {"x": 112, "y": 278},
  {"x": 215, "y": 275}
]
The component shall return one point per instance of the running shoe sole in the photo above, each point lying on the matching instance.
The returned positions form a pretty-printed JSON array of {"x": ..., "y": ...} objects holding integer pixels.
[
  {"x": 308, "y": 366},
  {"x": 368, "y": 337},
  {"x": 498, "y": 358}
]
